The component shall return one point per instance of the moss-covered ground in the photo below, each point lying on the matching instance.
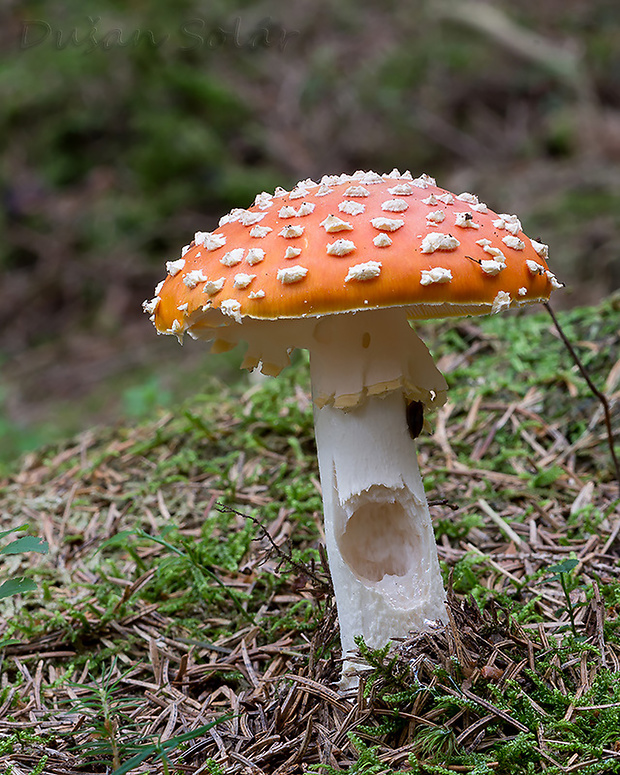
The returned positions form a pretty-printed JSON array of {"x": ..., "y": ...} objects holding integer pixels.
[{"x": 183, "y": 621}]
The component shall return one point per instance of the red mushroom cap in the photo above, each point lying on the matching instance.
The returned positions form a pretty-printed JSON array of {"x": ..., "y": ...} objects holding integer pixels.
[{"x": 353, "y": 242}]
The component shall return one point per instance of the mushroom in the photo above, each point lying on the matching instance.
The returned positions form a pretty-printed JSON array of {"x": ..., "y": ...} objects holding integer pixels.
[{"x": 342, "y": 268}]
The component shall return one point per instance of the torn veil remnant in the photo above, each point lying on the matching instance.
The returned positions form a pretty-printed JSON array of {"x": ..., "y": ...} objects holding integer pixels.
[{"x": 324, "y": 268}]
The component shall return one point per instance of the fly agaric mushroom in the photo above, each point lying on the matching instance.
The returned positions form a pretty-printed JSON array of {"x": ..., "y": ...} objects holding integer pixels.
[{"x": 340, "y": 268}]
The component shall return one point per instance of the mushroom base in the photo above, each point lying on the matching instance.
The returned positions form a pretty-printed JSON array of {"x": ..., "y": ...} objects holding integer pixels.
[{"x": 380, "y": 541}]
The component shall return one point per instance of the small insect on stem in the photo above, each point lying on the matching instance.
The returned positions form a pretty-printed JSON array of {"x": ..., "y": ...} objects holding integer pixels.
[{"x": 415, "y": 418}]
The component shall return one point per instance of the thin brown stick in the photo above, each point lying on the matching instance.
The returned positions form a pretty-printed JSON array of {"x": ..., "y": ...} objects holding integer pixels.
[
  {"x": 322, "y": 585},
  {"x": 601, "y": 396}
]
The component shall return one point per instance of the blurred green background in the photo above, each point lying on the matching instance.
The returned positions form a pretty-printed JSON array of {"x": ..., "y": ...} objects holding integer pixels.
[{"x": 127, "y": 126}]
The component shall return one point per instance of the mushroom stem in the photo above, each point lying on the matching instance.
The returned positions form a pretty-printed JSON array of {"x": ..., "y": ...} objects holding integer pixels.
[{"x": 380, "y": 541}]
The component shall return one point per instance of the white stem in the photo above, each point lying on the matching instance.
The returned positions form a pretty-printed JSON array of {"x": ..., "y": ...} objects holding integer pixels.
[{"x": 380, "y": 541}]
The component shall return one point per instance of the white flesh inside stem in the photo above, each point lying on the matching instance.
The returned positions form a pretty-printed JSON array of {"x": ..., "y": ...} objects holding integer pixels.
[{"x": 380, "y": 540}]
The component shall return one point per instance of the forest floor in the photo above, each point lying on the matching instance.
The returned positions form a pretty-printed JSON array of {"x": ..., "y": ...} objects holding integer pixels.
[{"x": 181, "y": 616}]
